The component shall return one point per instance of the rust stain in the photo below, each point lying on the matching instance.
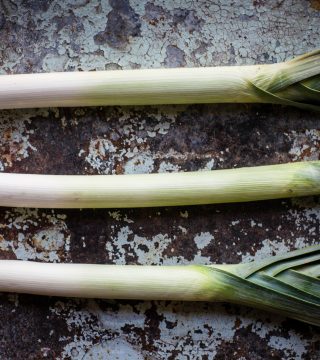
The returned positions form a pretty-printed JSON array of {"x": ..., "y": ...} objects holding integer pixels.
[
  {"x": 7, "y": 135},
  {"x": 7, "y": 158},
  {"x": 315, "y": 4},
  {"x": 98, "y": 140}
]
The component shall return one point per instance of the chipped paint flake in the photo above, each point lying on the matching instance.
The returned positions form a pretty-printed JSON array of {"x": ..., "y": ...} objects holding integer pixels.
[
  {"x": 203, "y": 239},
  {"x": 168, "y": 167},
  {"x": 32, "y": 235},
  {"x": 305, "y": 145},
  {"x": 139, "y": 164},
  {"x": 15, "y": 137},
  {"x": 268, "y": 248}
]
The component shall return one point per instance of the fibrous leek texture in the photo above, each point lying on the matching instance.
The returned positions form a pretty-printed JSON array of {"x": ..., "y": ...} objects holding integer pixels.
[
  {"x": 295, "y": 82},
  {"x": 174, "y": 189},
  {"x": 288, "y": 284}
]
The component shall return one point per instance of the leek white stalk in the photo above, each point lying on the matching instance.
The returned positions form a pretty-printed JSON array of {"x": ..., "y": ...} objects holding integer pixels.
[
  {"x": 295, "y": 82},
  {"x": 279, "y": 284},
  {"x": 147, "y": 190}
]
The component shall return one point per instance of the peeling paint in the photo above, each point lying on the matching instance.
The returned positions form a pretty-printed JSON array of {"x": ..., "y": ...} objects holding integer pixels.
[
  {"x": 80, "y": 35},
  {"x": 32, "y": 235},
  {"x": 15, "y": 137},
  {"x": 305, "y": 145},
  {"x": 203, "y": 239}
]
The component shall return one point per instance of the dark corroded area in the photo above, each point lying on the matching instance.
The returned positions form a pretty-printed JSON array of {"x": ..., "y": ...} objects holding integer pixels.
[
  {"x": 123, "y": 23},
  {"x": 77, "y": 35}
]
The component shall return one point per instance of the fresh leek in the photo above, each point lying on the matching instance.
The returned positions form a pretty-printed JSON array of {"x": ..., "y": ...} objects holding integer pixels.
[
  {"x": 165, "y": 189},
  {"x": 288, "y": 284},
  {"x": 295, "y": 82}
]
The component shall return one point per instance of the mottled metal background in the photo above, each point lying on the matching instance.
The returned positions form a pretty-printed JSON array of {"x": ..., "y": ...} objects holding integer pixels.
[{"x": 75, "y": 35}]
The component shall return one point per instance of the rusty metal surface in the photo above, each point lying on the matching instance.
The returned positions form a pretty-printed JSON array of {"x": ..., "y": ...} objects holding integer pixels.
[{"x": 93, "y": 35}]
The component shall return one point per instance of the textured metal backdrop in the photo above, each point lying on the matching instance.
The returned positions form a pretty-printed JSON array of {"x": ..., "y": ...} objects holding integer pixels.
[{"x": 73, "y": 35}]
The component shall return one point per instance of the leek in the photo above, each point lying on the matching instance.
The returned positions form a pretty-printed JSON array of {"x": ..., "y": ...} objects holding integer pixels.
[
  {"x": 288, "y": 284},
  {"x": 295, "y": 82},
  {"x": 166, "y": 189}
]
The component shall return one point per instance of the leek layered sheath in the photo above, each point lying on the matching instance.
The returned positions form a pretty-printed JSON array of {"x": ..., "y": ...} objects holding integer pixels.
[
  {"x": 295, "y": 82},
  {"x": 286, "y": 284}
]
